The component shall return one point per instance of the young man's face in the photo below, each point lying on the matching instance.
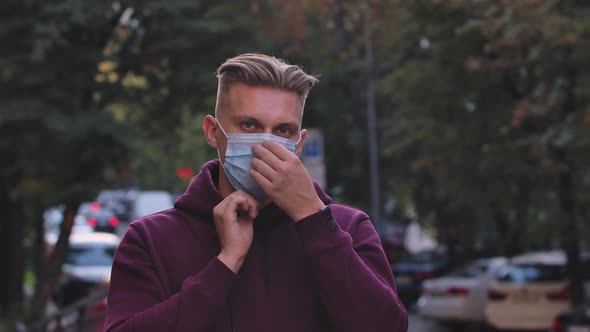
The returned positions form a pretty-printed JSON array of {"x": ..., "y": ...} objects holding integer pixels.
[{"x": 247, "y": 109}]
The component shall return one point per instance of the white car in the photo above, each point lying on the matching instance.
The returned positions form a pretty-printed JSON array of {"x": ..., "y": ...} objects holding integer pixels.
[
  {"x": 87, "y": 266},
  {"x": 461, "y": 295},
  {"x": 529, "y": 292},
  {"x": 90, "y": 256}
]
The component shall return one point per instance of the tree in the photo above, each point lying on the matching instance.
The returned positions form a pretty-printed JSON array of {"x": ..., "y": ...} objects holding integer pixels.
[
  {"x": 496, "y": 106},
  {"x": 116, "y": 85},
  {"x": 58, "y": 140}
]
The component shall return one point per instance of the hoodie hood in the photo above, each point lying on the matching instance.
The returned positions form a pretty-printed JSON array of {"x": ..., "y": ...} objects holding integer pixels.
[{"x": 202, "y": 195}]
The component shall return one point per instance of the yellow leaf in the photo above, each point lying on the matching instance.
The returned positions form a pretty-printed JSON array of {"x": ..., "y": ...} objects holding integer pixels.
[
  {"x": 113, "y": 77},
  {"x": 106, "y": 66}
]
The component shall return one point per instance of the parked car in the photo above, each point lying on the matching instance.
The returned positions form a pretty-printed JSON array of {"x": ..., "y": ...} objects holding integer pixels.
[
  {"x": 574, "y": 321},
  {"x": 53, "y": 217},
  {"x": 119, "y": 201},
  {"x": 461, "y": 295},
  {"x": 88, "y": 265},
  {"x": 132, "y": 204},
  {"x": 149, "y": 202},
  {"x": 100, "y": 218},
  {"x": 413, "y": 269},
  {"x": 529, "y": 292},
  {"x": 577, "y": 320}
]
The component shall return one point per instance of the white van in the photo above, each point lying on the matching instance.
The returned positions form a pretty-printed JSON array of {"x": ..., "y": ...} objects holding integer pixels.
[{"x": 149, "y": 202}]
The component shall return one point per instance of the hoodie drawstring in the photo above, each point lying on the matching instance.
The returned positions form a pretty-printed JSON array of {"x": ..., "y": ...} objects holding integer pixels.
[
  {"x": 231, "y": 316},
  {"x": 266, "y": 267},
  {"x": 265, "y": 263}
]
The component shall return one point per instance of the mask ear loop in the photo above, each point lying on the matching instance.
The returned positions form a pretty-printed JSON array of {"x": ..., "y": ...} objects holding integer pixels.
[
  {"x": 299, "y": 140},
  {"x": 223, "y": 131}
]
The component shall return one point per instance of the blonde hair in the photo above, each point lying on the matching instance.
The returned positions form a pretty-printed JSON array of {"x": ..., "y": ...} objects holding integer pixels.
[{"x": 262, "y": 70}]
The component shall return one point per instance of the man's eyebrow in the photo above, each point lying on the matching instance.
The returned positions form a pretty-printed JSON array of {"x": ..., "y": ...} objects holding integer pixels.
[
  {"x": 240, "y": 118},
  {"x": 292, "y": 125}
]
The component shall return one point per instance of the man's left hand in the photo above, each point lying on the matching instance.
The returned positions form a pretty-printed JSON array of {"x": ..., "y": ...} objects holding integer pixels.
[{"x": 285, "y": 180}]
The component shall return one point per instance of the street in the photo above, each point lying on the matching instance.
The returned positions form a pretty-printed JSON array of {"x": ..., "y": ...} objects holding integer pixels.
[{"x": 418, "y": 324}]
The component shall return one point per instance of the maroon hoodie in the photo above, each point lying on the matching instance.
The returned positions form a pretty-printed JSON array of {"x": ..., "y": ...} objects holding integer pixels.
[{"x": 313, "y": 275}]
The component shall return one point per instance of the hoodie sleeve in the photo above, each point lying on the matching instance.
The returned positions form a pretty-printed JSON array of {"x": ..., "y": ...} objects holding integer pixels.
[
  {"x": 351, "y": 272},
  {"x": 136, "y": 301}
]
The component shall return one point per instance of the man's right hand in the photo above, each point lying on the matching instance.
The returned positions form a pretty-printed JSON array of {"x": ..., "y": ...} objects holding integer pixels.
[{"x": 234, "y": 218}]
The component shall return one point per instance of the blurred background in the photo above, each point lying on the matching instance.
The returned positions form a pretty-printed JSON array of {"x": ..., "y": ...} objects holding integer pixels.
[{"x": 461, "y": 126}]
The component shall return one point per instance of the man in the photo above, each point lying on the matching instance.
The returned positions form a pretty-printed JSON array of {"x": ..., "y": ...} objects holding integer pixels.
[{"x": 254, "y": 244}]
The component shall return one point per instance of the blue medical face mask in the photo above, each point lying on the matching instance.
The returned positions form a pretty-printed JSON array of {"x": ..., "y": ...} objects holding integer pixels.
[{"x": 238, "y": 159}]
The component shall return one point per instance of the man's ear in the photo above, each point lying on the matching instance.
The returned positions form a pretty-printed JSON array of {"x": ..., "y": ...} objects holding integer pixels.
[
  {"x": 299, "y": 147},
  {"x": 210, "y": 130}
]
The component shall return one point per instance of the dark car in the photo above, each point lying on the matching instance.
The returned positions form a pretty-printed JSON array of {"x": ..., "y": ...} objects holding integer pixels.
[
  {"x": 120, "y": 201},
  {"x": 100, "y": 218},
  {"x": 412, "y": 269},
  {"x": 575, "y": 321},
  {"x": 131, "y": 204}
]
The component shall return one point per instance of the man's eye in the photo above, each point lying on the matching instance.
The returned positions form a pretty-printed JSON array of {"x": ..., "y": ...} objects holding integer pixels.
[
  {"x": 283, "y": 131},
  {"x": 248, "y": 124}
]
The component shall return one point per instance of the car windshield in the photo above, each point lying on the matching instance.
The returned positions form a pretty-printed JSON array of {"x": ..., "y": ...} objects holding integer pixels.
[
  {"x": 532, "y": 273},
  {"x": 472, "y": 270},
  {"x": 91, "y": 256}
]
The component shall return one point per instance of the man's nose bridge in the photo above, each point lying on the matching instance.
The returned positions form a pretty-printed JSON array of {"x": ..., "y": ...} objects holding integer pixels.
[{"x": 265, "y": 128}]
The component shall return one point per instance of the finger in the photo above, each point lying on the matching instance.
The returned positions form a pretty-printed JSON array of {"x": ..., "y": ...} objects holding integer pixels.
[
  {"x": 244, "y": 209},
  {"x": 250, "y": 209},
  {"x": 278, "y": 150},
  {"x": 254, "y": 206},
  {"x": 249, "y": 204},
  {"x": 253, "y": 209},
  {"x": 230, "y": 212},
  {"x": 265, "y": 183},
  {"x": 234, "y": 202},
  {"x": 263, "y": 168},
  {"x": 267, "y": 156}
]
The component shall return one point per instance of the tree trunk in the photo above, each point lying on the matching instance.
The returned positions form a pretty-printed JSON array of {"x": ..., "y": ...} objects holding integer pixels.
[
  {"x": 570, "y": 241},
  {"x": 456, "y": 230},
  {"x": 11, "y": 247},
  {"x": 39, "y": 249},
  {"x": 569, "y": 232},
  {"x": 502, "y": 224},
  {"x": 51, "y": 271},
  {"x": 517, "y": 227}
]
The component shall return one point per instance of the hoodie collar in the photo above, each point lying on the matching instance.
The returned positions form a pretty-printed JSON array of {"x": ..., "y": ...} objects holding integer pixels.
[{"x": 202, "y": 195}]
